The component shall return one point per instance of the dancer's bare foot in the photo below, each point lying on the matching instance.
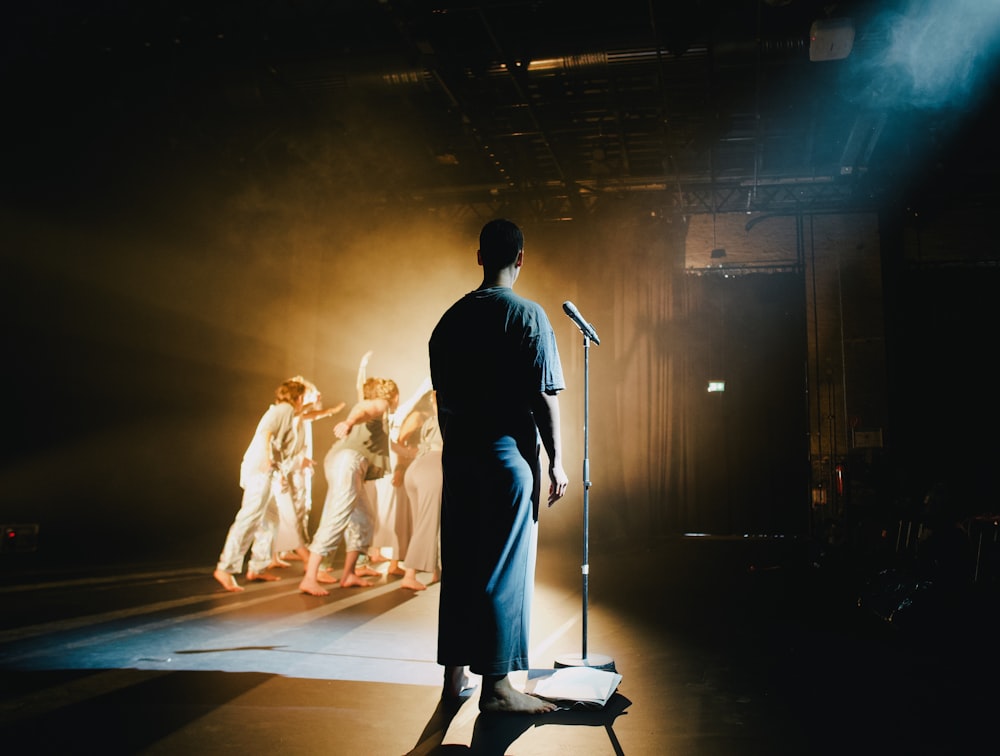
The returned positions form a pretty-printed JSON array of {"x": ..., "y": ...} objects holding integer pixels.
[
  {"x": 395, "y": 569},
  {"x": 326, "y": 577},
  {"x": 278, "y": 563},
  {"x": 227, "y": 581},
  {"x": 455, "y": 681},
  {"x": 312, "y": 587},
  {"x": 301, "y": 554},
  {"x": 351, "y": 580},
  {"x": 500, "y": 697},
  {"x": 410, "y": 581},
  {"x": 265, "y": 577},
  {"x": 365, "y": 571}
]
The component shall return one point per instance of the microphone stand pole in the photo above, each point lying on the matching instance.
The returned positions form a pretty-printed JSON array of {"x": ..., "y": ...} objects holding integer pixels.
[{"x": 599, "y": 661}]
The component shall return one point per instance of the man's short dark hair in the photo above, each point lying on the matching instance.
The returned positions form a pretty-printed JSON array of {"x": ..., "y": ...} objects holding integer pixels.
[{"x": 499, "y": 242}]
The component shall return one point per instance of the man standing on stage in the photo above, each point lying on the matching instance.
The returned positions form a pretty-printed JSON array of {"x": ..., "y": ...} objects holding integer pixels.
[{"x": 496, "y": 369}]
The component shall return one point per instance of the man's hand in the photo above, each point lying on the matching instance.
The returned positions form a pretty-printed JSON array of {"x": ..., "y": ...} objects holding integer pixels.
[{"x": 558, "y": 483}]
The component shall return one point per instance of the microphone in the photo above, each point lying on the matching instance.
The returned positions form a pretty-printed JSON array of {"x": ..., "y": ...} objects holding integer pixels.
[{"x": 574, "y": 314}]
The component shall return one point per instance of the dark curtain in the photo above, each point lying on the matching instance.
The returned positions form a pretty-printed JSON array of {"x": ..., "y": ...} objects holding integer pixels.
[{"x": 668, "y": 456}]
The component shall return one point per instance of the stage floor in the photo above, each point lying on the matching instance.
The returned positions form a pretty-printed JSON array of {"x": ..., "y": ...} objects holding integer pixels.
[{"x": 725, "y": 646}]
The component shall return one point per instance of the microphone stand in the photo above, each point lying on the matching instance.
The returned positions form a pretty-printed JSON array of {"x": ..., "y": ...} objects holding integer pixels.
[{"x": 598, "y": 661}]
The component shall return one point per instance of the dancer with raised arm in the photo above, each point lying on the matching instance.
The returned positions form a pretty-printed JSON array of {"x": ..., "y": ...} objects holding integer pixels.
[{"x": 361, "y": 453}]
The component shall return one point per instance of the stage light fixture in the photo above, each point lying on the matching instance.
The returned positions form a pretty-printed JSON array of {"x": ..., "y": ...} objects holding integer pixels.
[{"x": 831, "y": 39}]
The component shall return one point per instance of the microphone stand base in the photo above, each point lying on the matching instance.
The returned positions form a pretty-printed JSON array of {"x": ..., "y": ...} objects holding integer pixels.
[{"x": 597, "y": 661}]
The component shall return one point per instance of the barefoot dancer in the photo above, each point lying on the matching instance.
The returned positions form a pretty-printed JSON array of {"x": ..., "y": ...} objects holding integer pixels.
[
  {"x": 270, "y": 453},
  {"x": 423, "y": 491},
  {"x": 361, "y": 454},
  {"x": 294, "y": 495},
  {"x": 496, "y": 370},
  {"x": 387, "y": 496}
]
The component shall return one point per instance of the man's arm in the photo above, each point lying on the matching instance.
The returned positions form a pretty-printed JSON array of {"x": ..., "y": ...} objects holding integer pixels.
[{"x": 546, "y": 411}]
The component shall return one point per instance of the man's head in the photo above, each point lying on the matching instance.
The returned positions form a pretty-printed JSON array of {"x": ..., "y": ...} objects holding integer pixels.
[{"x": 500, "y": 243}]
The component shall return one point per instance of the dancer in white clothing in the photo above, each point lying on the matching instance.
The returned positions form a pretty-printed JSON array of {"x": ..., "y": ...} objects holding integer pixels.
[
  {"x": 269, "y": 455},
  {"x": 424, "y": 482},
  {"x": 362, "y": 453},
  {"x": 294, "y": 496}
]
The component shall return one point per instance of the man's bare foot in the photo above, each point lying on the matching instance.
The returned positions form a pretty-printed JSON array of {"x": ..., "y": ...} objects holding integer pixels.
[
  {"x": 227, "y": 581},
  {"x": 301, "y": 554},
  {"x": 313, "y": 588},
  {"x": 502, "y": 698},
  {"x": 326, "y": 577},
  {"x": 365, "y": 571},
  {"x": 397, "y": 571},
  {"x": 515, "y": 702},
  {"x": 278, "y": 563},
  {"x": 377, "y": 558},
  {"x": 350, "y": 580},
  {"x": 455, "y": 681},
  {"x": 261, "y": 576}
]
